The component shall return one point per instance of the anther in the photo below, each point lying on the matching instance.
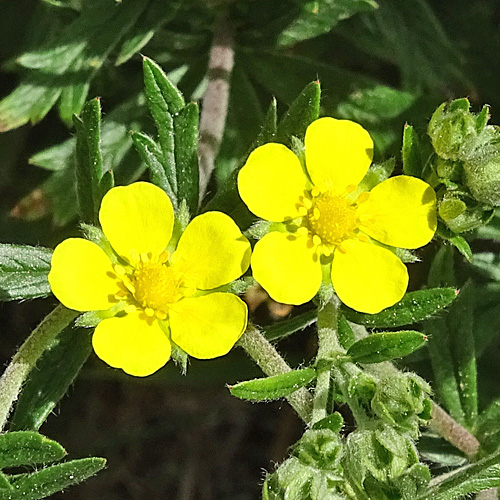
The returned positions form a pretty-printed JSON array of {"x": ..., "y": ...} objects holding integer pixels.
[
  {"x": 149, "y": 312},
  {"x": 161, "y": 315},
  {"x": 130, "y": 309},
  {"x": 316, "y": 213},
  {"x": 302, "y": 211},
  {"x": 119, "y": 270},
  {"x": 350, "y": 188},
  {"x": 302, "y": 231},
  {"x": 307, "y": 203},
  {"x": 363, "y": 197},
  {"x": 363, "y": 238},
  {"x": 315, "y": 191},
  {"x": 316, "y": 240}
]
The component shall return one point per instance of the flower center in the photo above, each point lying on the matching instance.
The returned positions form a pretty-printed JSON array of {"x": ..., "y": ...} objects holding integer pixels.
[
  {"x": 332, "y": 218},
  {"x": 156, "y": 286}
]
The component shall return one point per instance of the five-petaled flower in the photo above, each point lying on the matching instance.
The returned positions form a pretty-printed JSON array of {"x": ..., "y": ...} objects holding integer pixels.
[
  {"x": 328, "y": 225},
  {"x": 158, "y": 290}
]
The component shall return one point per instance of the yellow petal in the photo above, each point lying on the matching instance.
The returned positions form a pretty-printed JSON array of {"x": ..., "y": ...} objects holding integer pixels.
[
  {"x": 338, "y": 153},
  {"x": 287, "y": 267},
  {"x": 401, "y": 212},
  {"x": 138, "y": 217},
  {"x": 271, "y": 182},
  {"x": 212, "y": 251},
  {"x": 80, "y": 275},
  {"x": 367, "y": 277},
  {"x": 208, "y": 326},
  {"x": 137, "y": 346}
]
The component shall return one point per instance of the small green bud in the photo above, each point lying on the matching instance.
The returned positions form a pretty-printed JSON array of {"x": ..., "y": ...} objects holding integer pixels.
[
  {"x": 451, "y": 208},
  {"x": 483, "y": 180},
  {"x": 318, "y": 448},
  {"x": 448, "y": 169},
  {"x": 473, "y": 217},
  {"x": 450, "y": 125}
]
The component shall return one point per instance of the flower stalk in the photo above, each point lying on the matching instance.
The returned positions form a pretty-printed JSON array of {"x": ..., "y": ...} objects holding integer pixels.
[
  {"x": 41, "y": 339},
  {"x": 271, "y": 363},
  {"x": 327, "y": 344}
]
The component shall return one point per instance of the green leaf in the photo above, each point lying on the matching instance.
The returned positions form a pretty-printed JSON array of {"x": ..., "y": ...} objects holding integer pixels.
[
  {"x": 49, "y": 381},
  {"x": 286, "y": 327},
  {"x": 488, "y": 431},
  {"x": 436, "y": 449},
  {"x": 154, "y": 17},
  {"x": 151, "y": 155},
  {"x": 320, "y": 17},
  {"x": 480, "y": 476},
  {"x": 278, "y": 386},
  {"x": 334, "y": 422},
  {"x": 269, "y": 127},
  {"x": 412, "y": 308},
  {"x": 88, "y": 160},
  {"x": 411, "y": 153},
  {"x": 374, "y": 105},
  {"x": 23, "y": 272},
  {"x": 461, "y": 322},
  {"x": 345, "y": 333},
  {"x": 28, "y": 448},
  {"x": 164, "y": 100},
  {"x": 302, "y": 111},
  {"x": 50, "y": 480},
  {"x": 66, "y": 65},
  {"x": 186, "y": 155},
  {"x": 379, "y": 347},
  {"x": 462, "y": 246}
]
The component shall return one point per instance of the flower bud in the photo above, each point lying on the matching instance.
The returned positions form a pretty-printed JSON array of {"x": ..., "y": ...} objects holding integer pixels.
[{"x": 450, "y": 125}]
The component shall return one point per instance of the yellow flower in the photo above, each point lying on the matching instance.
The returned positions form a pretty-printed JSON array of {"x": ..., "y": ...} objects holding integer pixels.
[
  {"x": 329, "y": 224},
  {"x": 157, "y": 291}
]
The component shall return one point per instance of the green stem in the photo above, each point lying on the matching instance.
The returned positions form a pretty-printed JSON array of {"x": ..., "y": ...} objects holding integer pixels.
[
  {"x": 27, "y": 356},
  {"x": 271, "y": 363},
  {"x": 327, "y": 345}
]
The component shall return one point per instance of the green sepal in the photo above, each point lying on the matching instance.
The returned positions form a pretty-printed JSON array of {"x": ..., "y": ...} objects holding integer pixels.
[
  {"x": 23, "y": 272},
  {"x": 376, "y": 174},
  {"x": 334, "y": 422},
  {"x": 411, "y": 152},
  {"x": 152, "y": 156},
  {"x": 379, "y": 347},
  {"x": 55, "y": 371},
  {"x": 269, "y": 127},
  {"x": 186, "y": 155},
  {"x": 28, "y": 448},
  {"x": 412, "y": 308},
  {"x": 286, "y": 327},
  {"x": 50, "y": 480},
  {"x": 302, "y": 112},
  {"x": 88, "y": 166},
  {"x": 269, "y": 388}
]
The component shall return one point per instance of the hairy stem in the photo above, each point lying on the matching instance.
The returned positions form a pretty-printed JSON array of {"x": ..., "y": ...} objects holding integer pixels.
[
  {"x": 327, "y": 344},
  {"x": 453, "y": 432},
  {"x": 491, "y": 494},
  {"x": 27, "y": 356},
  {"x": 271, "y": 363},
  {"x": 216, "y": 99}
]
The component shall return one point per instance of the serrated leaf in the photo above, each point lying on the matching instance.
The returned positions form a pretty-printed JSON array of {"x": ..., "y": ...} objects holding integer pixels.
[
  {"x": 28, "y": 448},
  {"x": 412, "y": 308},
  {"x": 320, "y": 17},
  {"x": 164, "y": 100},
  {"x": 88, "y": 160},
  {"x": 286, "y": 327},
  {"x": 278, "y": 386},
  {"x": 23, "y": 272},
  {"x": 379, "y": 347},
  {"x": 48, "y": 382},
  {"x": 480, "y": 476},
  {"x": 410, "y": 153},
  {"x": 303, "y": 111},
  {"x": 186, "y": 155},
  {"x": 151, "y": 155},
  {"x": 79, "y": 51},
  {"x": 50, "y": 480}
]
